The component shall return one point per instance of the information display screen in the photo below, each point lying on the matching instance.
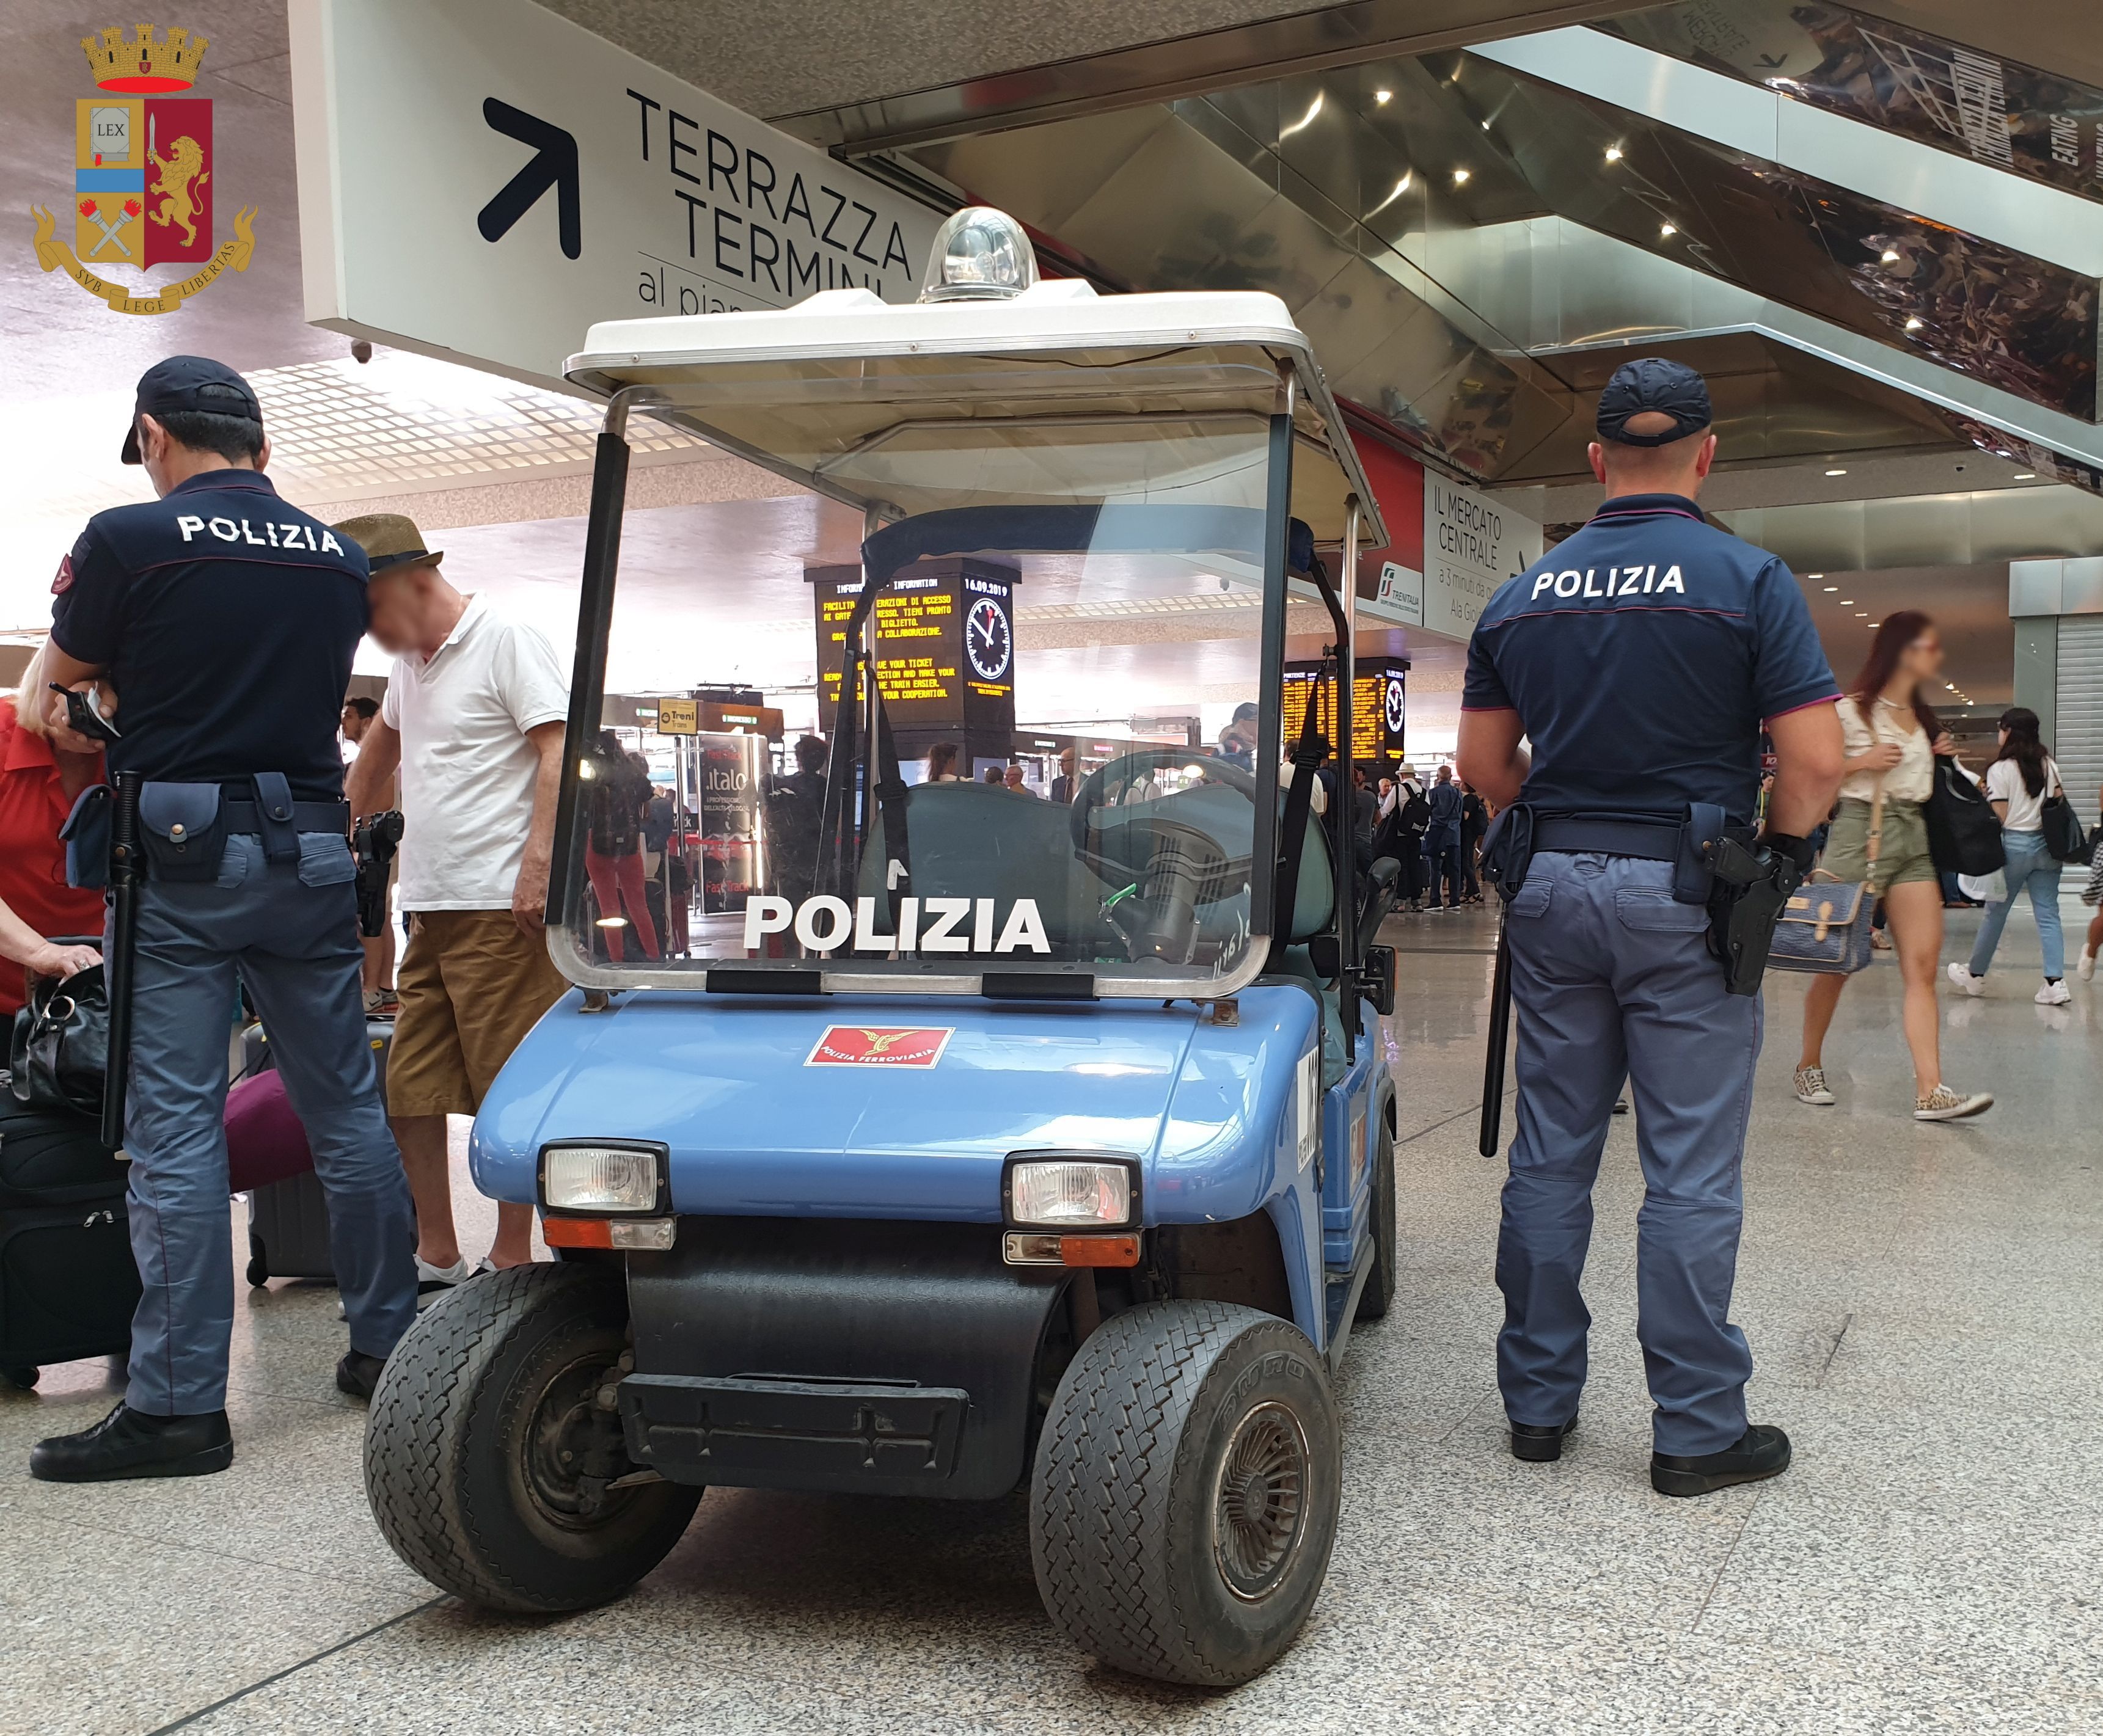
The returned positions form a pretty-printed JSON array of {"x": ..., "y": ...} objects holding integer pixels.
[
  {"x": 1379, "y": 706},
  {"x": 944, "y": 643}
]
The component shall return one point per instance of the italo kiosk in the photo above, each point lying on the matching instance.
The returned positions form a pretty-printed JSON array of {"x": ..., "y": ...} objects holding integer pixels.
[{"x": 1008, "y": 1144}]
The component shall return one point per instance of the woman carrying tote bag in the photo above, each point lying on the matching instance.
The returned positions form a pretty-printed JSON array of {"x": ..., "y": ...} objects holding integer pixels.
[
  {"x": 1891, "y": 735},
  {"x": 2019, "y": 782}
]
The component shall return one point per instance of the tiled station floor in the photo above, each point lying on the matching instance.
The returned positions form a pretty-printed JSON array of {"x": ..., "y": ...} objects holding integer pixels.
[{"x": 1925, "y": 1304}]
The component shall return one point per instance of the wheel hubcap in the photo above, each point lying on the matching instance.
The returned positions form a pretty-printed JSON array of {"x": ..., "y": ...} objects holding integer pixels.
[
  {"x": 1261, "y": 1498},
  {"x": 570, "y": 1438}
]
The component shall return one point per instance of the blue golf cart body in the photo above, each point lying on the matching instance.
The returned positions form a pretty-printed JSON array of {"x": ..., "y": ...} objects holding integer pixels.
[{"x": 841, "y": 1205}]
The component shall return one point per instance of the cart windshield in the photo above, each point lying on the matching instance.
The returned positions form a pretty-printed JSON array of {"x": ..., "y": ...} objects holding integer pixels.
[{"x": 1004, "y": 718}]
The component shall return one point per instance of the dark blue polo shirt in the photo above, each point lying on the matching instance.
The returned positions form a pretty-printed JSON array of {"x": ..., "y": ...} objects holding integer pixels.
[
  {"x": 1643, "y": 655},
  {"x": 226, "y": 621}
]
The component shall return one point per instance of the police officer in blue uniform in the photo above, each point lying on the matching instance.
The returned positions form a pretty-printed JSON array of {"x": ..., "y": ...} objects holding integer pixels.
[
  {"x": 1642, "y": 657},
  {"x": 224, "y": 622}
]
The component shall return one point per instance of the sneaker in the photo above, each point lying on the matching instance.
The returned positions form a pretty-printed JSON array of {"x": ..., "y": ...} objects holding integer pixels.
[
  {"x": 1537, "y": 1445},
  {"x": 1962, "y": 976},
  {"x": 1943, "y": 1104},
  {"x": 1879, "y": 941},
  {"x": 1760, "y": 1453},
  {"x": 1812, "y": 1088},
  {"x": 2054, "y": 993},
  {"x": 435, "y": 1280},
  {"x": 2085, "y": 969},
  {"x": 130, "y": 1443}
]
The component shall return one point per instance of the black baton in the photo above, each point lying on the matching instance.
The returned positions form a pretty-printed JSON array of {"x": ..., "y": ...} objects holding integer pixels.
[
  {"x": 117, "y": 966},
  {"x": 1493, "y": 1062}
]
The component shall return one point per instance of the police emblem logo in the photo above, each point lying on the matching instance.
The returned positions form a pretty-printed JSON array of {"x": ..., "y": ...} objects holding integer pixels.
[{"x": 142, "y": 189}]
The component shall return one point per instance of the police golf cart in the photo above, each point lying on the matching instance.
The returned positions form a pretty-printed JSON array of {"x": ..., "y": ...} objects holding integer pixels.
[{"x": 967, "y": 1141}]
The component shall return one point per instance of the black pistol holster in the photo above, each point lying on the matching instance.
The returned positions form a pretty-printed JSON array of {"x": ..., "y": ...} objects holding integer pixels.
[{"x": 1751, "y": 884}]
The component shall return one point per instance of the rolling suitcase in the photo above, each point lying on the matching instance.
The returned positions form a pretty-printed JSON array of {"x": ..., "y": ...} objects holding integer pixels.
[
  {"x": 68, "y": 1284},
  {"x": 288, "y": 1221}
]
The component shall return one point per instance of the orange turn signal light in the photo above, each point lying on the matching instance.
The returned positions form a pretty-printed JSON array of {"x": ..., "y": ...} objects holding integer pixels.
[
  {"x": 577, "y": 1232},
  {"x": 652, "y": 1234},
  {"x": 1048, "y": 1248}
]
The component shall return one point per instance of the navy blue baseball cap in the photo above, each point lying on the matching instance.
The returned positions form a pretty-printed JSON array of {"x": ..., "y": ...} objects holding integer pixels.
[
  {"x": 1654, "y": 384},
  {"x": 177, "y": 385}
]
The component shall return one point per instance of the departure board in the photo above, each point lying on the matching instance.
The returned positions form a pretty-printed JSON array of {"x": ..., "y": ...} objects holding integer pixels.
[
  {"x": 944, "y": 643},
  {"x": 1379, "y": 706}
]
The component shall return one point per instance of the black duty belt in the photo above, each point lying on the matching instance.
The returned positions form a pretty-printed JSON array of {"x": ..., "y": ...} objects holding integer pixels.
[
  {"x": 307, "y": 816},
  {"x": 1650, "y": 841}
]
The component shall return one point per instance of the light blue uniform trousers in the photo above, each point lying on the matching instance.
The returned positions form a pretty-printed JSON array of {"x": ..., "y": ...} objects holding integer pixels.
[
  {"x": 291, "y": 930},
  {"x": 1613, "y": 979}
]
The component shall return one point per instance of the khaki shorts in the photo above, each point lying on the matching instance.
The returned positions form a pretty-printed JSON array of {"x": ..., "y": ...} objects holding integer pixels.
[
  {"x": 471, "y": 986},
  {"x": 1902, "y": 852}
]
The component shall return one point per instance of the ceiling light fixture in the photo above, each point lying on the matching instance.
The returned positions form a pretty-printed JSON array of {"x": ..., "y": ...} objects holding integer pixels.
[
  {"x": 1460, "y": 177},
  {"x": 1836, "y": 473},
  {"x": 1383, "y": 96},
  {"x": 1846, "y": 602},
  {"x": 1613, "y": 154},
  {"x": 1861, "y": 614},
  {"x": 1830, "y": 587},
  {"x": 1914, "y": 322},
  {"x": 1485, "y": 127},
  {"x": 2026, "y": 476},
  {"x": 1891, "y": 258},
  {"x": 1306, "y": 120},
  {"x": 1816, "y": 576},
  {"x": 1666, "y": 231}
]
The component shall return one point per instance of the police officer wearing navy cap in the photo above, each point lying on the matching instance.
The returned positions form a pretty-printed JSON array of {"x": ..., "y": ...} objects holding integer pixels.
[
  {"x": 1642, "y": 657},
  {"x": 224, "y": 621}
]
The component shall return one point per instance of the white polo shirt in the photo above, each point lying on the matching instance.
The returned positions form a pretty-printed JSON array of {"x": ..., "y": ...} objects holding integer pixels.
[{"x": 467, "y": 771}]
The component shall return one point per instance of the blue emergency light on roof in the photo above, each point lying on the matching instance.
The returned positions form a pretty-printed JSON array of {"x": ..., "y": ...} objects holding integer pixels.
[{"x": 979, "y": 255}]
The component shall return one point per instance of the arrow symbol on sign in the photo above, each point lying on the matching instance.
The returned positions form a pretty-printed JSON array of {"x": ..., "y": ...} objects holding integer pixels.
[{"x": 555, "y": 165}]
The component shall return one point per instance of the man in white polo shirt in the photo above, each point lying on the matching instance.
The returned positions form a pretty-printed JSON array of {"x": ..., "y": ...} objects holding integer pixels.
[{"x": 473, "y": 719}]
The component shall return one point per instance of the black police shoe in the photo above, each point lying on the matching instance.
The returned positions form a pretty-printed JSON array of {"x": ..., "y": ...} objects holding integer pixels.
[
  {"x": 358, "y": 1374},
  {"x": 129, "y": 1443},
  {"x": 1761, "y": 1453},
  {"x": 1539, "y": 1445}
]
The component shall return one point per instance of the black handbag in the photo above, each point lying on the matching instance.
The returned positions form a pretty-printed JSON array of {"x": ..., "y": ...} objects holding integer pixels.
[
  {"x": 2064, "y": 839},
  {"x": 61, "y": 1045},
  {"x": 1963, "y": 832}
]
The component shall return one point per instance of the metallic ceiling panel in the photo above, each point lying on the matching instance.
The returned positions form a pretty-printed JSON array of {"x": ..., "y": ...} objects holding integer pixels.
[
  {"x": 1305, "y": 42},
  {"x": 1869, "y": 536},
  {"x": 1905, "y": 84},
  {"x": 1391, "y": 338}
]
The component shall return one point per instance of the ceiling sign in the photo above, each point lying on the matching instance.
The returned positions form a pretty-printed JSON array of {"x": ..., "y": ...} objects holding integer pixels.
[{"x": 482, "y": 180}]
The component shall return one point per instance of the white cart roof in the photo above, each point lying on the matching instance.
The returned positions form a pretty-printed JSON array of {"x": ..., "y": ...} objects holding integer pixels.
[{"x": 795, "y": 390}]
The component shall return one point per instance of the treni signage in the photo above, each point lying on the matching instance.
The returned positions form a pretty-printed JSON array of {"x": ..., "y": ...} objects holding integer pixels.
[{"x": 482, "y": 180}]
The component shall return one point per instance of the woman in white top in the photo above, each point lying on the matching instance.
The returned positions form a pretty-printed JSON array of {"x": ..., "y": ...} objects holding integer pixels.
[
  {"x": 2018, "y": 782},
  {"x": 1891, "y": 738}
]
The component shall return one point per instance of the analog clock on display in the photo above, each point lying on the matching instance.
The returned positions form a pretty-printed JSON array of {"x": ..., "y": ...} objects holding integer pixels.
[
  {"x": 989, "y": 640},
  {"x": 1395, "y": 703}
]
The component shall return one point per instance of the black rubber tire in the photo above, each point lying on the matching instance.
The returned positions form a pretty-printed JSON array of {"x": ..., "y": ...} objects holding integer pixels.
[
  {"x": 1375, "y": 1299},
  {"x": 1126, "y": 1491},
  {"x": 259, "y": 1263},
  {"x": 25, "y": 1375},
  {"x": 448, "y": 1440}
]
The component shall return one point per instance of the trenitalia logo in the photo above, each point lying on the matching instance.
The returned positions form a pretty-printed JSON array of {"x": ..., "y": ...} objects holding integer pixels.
[{"x": 826, "y": 924}]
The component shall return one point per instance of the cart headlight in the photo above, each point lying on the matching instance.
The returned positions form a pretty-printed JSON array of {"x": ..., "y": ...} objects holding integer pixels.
[
  {"x": 979, "y": 255},
  {"x": 602, "y": 1177},
  {"x": 1072, "y": 1192}
]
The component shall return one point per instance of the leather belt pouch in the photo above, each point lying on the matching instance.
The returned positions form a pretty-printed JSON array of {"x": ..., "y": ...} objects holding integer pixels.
[
  {"x": 1692, "y": 881},
  {"x": 86, "y": 836},
  {"x": 183, "y": 829}
]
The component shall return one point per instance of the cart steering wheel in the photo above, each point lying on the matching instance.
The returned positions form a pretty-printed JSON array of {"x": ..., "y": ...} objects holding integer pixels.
[{"x": 1186, "y": 865}]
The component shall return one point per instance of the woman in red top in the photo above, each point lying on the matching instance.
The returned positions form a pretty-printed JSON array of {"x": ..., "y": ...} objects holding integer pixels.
[{"x": 43, "y": 771}]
